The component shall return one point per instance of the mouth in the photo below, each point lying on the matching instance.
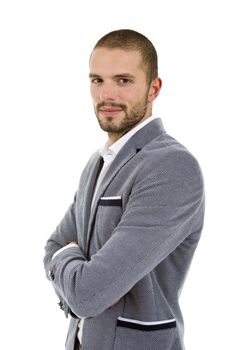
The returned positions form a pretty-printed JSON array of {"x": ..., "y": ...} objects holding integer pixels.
[{"x": 110, "y": 111}]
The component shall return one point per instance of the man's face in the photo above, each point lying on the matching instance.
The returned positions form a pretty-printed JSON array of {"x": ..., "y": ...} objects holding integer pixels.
[{"x": 119, "y": 90}]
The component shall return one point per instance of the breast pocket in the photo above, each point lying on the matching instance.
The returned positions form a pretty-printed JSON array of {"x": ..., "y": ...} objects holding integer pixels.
[
  {"x": 108, "y": 216},
  {"x": 135, "y": 334}
]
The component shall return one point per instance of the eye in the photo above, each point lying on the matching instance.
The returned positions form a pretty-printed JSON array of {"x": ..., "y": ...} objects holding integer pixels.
[
  {"x": 124, "y": 81},
  {"x": 96, "y": 81}
]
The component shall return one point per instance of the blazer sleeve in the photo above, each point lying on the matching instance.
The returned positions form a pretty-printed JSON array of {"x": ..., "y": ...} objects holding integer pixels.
[
  {"x": 166, "y": 205},
  {"x": 64, "y": 233}
]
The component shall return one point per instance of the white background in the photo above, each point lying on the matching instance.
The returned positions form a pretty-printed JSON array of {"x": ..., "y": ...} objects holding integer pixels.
[{"x": 48, "y": 131}]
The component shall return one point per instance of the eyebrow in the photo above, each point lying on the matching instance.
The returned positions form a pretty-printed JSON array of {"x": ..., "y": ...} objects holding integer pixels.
[{"x": 123, "y": 75}]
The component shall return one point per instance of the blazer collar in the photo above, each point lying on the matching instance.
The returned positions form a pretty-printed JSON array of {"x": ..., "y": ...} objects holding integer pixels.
[{"x": 149, "y": 132}]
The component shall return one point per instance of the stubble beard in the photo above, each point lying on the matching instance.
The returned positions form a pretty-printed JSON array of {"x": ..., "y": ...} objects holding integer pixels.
[{"x": 131, "y": 118}]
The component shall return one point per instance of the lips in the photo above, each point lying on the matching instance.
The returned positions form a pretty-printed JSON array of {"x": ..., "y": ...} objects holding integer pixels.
[{"x": 110, "y": 111}]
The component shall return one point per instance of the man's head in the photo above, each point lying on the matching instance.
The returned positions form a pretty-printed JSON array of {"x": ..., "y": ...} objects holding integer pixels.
[
  {"x": 124, "y": 80},
  {"x": 130, "y": 40}
]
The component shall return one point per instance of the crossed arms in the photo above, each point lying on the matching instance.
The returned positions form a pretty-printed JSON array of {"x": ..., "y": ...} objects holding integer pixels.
[{"x": 164, "y": 208}]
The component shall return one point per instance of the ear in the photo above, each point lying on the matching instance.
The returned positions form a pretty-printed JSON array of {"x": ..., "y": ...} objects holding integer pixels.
[{"x": 155, "y": 87}]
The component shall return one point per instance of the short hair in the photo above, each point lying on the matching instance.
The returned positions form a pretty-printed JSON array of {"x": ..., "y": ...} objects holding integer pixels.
[{"x": 127, "y": 39}]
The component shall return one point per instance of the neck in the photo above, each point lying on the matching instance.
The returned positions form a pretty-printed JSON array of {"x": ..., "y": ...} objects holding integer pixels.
[{"x": 113, "y": 137}]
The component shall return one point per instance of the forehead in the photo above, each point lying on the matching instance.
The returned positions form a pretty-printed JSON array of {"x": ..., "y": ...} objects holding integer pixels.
[{"x": 115, "y": 61}]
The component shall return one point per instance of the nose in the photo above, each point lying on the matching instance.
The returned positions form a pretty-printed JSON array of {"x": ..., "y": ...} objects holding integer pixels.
[{"x": 108, "y": 92}]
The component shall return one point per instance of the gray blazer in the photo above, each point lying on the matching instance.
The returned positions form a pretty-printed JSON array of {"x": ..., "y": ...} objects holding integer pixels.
[{"x": 135, "y": 247}]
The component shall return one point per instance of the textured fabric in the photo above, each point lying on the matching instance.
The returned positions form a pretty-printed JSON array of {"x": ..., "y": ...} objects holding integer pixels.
[{"x": 135, "y": 245}]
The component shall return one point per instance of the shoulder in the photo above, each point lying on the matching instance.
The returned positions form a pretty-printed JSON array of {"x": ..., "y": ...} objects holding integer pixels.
[{"x": 166, "y": 157}]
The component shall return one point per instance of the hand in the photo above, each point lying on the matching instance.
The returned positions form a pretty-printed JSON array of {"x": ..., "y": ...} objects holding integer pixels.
[{"x": 116, "y": 302}]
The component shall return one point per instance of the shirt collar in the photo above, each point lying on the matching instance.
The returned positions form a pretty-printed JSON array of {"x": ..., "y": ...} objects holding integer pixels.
[
  {"x": 105, "y": 151},
  {"x": 116, "y": 146}
]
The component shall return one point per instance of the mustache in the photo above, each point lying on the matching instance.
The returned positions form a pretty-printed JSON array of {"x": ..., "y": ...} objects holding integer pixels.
[{"x": 111, "y": 104}]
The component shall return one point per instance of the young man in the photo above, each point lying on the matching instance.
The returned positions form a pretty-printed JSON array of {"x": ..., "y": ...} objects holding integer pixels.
[{"x": 119, "y": 257}]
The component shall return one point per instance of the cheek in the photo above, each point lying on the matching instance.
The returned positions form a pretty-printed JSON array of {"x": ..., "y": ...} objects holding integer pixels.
[
  {"x": 92, "y": 90},
  {"x": 134, "y": 96},
  {"x": 129, "y": 95},
  {"x": 94, "y": 94}
]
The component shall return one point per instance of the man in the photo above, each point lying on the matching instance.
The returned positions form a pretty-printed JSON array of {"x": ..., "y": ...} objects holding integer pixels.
[{"x": 119, "y": 257}]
